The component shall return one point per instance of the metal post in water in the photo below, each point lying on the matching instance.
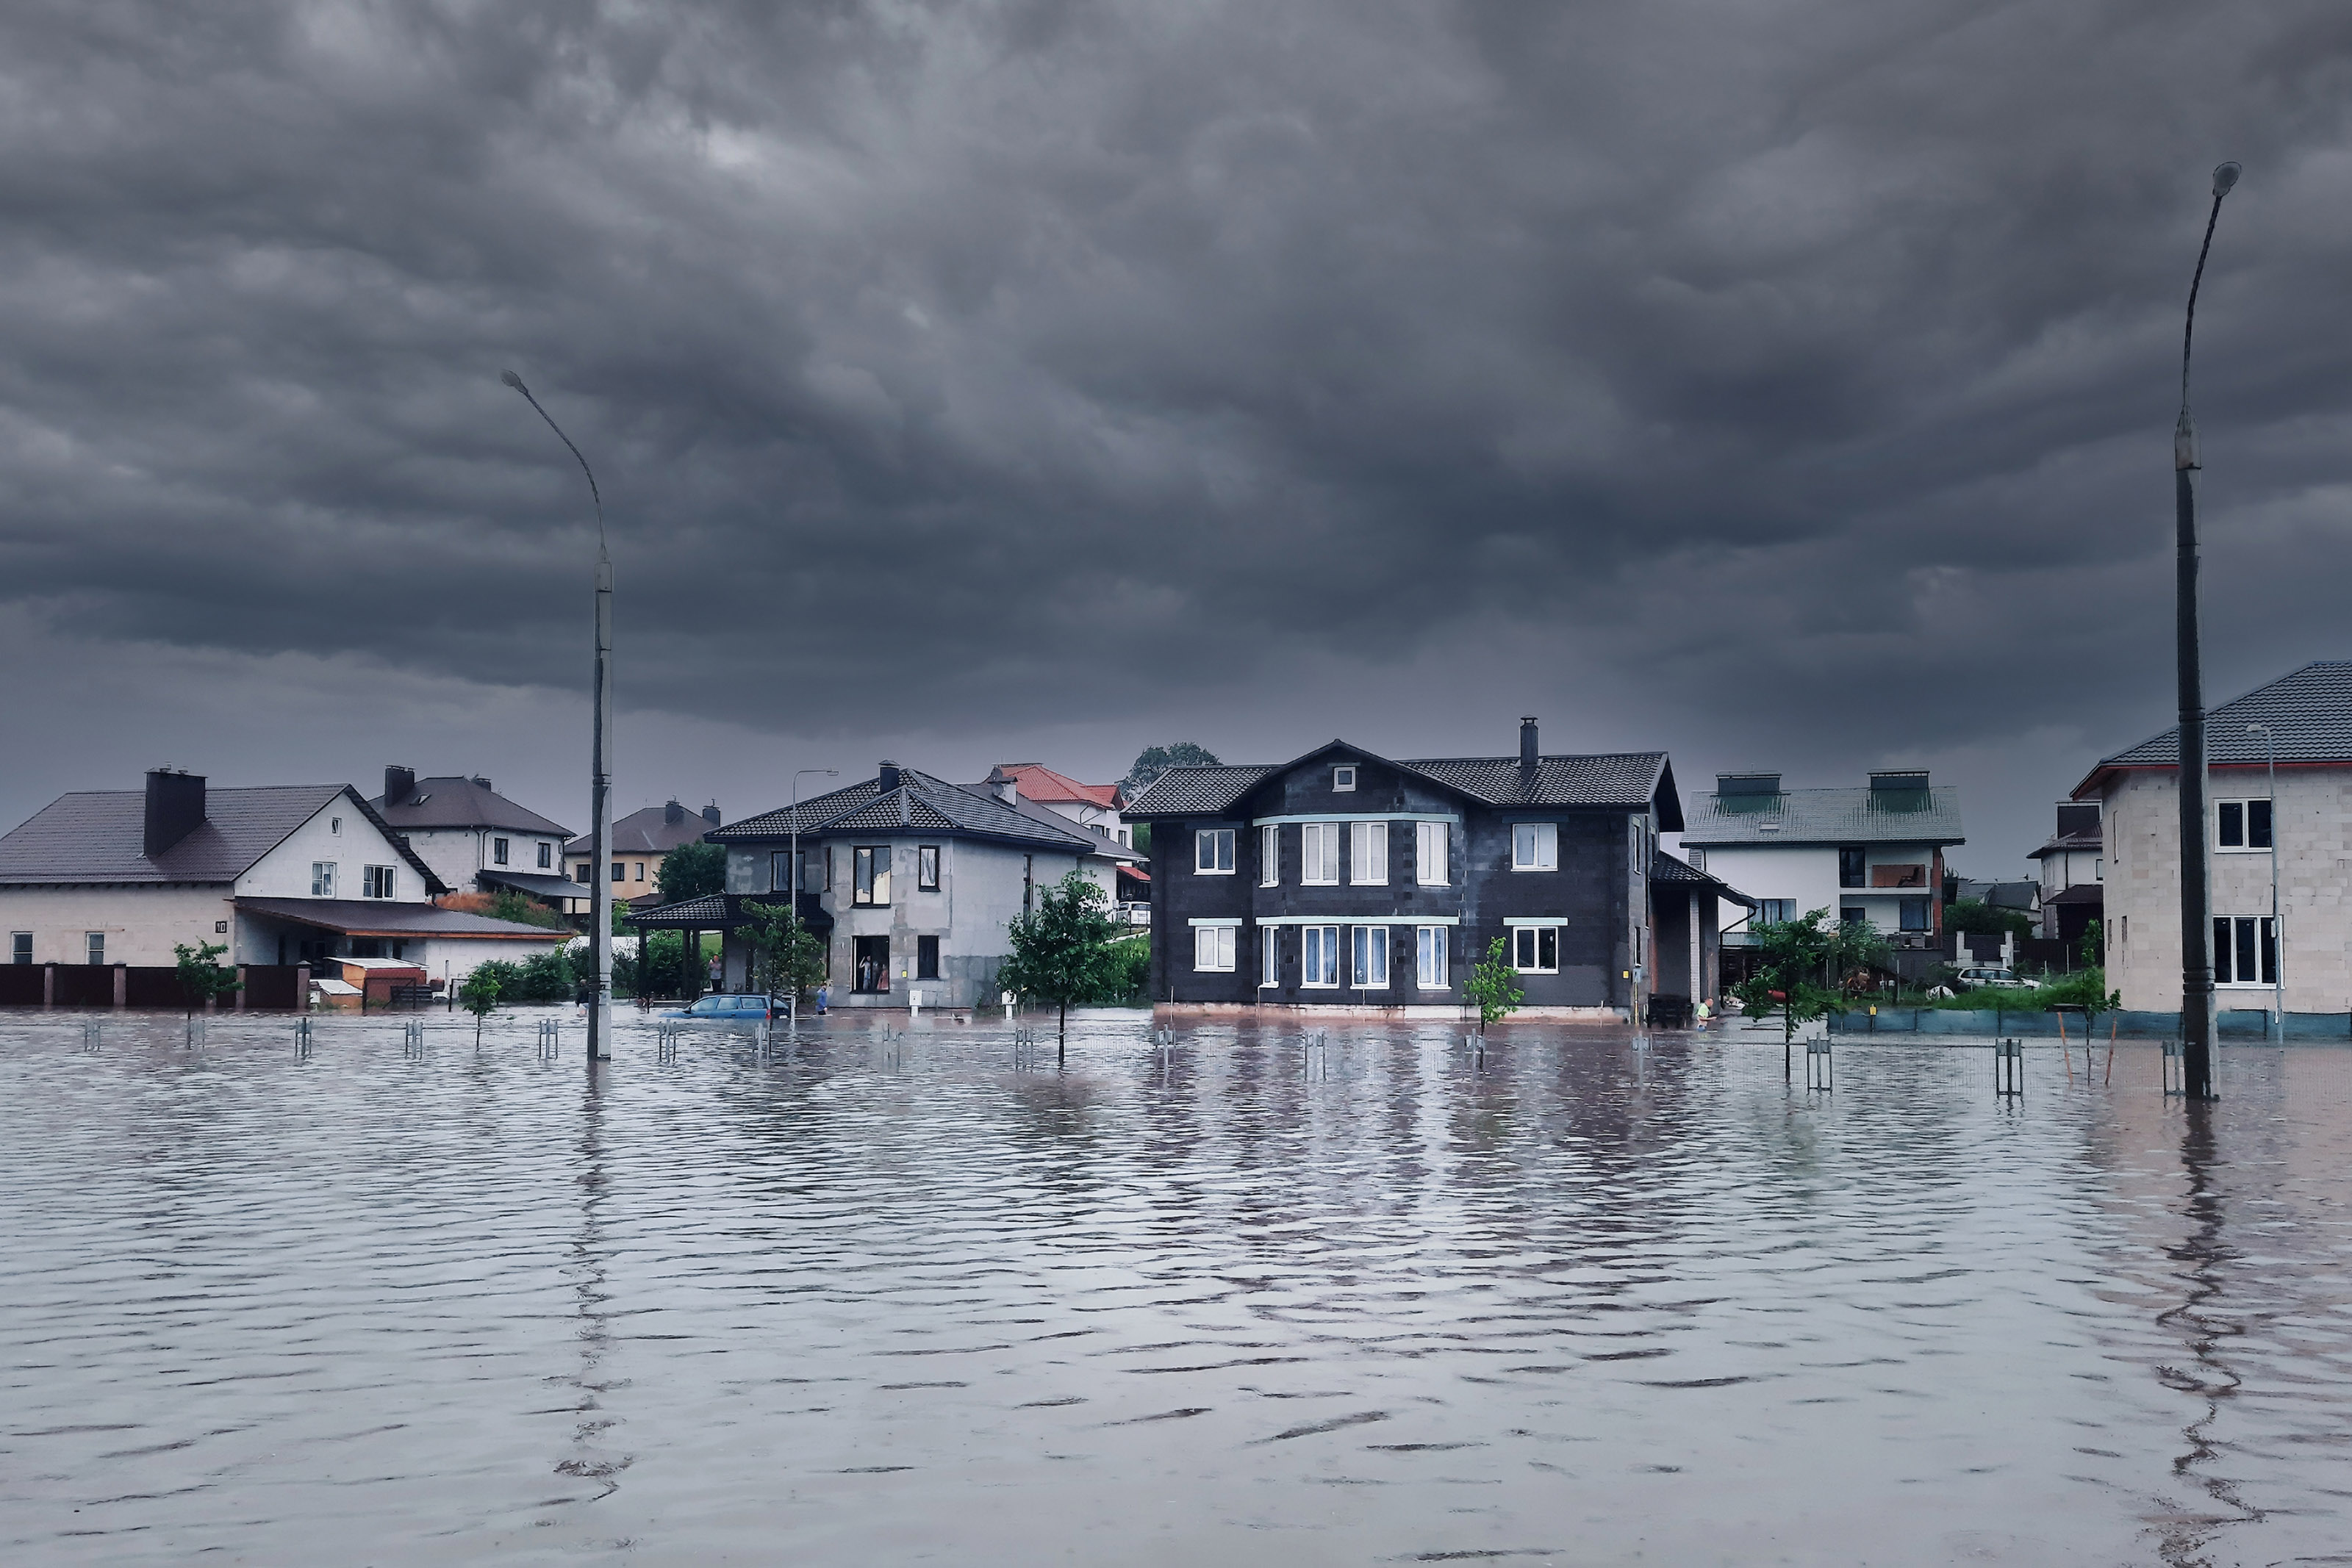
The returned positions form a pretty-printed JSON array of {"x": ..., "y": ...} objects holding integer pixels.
[
  {"x": 2007, "y": 1068},
  {"x": 1817, "y": 1063},
  {"x": 2175, "y": 1069},
  {"x": 302, "y": 1038},
  {"x": 549, "y": 1039}
]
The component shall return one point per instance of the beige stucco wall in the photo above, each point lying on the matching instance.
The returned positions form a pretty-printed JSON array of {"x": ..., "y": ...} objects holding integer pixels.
[
  {"x": 2313, "y": 825},
  {"x": 142, "y": 924}
]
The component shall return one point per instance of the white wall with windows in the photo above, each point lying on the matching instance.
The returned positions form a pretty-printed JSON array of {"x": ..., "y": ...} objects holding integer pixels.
[{"x": 2312, "y": 950}]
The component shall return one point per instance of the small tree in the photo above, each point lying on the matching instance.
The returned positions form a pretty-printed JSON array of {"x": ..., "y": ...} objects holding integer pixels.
[
  {"x": 201, "y": 976},
  {"x": 787, "y": 957},
  {"x": 1063, "y": 951},
  {"x": 692, "y": 871},
  {"x": 1793, "y": 959},
  {"x": 479, "y": 995},
  {"x": 1494, "y": 984}
]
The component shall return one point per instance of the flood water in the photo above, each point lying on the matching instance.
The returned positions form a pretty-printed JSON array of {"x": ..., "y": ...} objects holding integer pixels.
[{"x": 1586, "y": 1305}]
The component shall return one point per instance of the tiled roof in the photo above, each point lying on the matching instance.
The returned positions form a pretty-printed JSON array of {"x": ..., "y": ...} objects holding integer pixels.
[
  {"x": 1043, "y": 785},
  {"x": 367, "y": 918},
  {"x": 1665, "y": 868},
  {"x": 648, "y": 831},
  {"x": 1183, "y": 792},
  {"x": 1630, "y": 779},
  {"x": 539, "y": 884},
  {"x": 2065, "y": 842},
  {"x": 463, "y": 803},
  {"x": 2309, "y": 711},
  {"x": 1627, "y": 778},
  {"x": 1825, "y": 817},
  {"x": 920, "y": 803},
  {"x": 98, "y": 835},
  {"x": 711, "y": 906}
]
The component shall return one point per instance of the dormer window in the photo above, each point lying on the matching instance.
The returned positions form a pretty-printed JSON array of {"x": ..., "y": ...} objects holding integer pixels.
[{"x": 1343, "y": 778}]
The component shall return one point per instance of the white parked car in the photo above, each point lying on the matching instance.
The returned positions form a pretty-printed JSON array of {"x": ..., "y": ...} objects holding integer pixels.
[{"x": 1999, "y": 979}]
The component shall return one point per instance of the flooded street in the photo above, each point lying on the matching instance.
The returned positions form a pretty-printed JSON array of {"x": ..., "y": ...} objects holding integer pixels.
[{"x": 1588, "y": 1305}]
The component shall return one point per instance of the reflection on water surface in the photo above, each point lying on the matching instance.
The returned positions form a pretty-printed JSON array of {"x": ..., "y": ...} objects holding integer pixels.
[{"x": 1588, "y": 1305}]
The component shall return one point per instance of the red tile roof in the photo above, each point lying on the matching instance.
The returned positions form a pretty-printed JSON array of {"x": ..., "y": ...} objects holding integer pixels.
[{"x": 1047, "y": 788}]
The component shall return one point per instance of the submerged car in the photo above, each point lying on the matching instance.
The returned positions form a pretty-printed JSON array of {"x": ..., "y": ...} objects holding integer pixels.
[
  {"x": 1999, "y": 979},
  {"x": 730, "y": 1005}
]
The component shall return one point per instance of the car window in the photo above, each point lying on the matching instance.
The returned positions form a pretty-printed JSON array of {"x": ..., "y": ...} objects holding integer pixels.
[{"x": 707, "y": 1006}]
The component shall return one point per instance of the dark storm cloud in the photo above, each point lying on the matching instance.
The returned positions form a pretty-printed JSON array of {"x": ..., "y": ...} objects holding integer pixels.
[{"x": 1802, "y": 368}]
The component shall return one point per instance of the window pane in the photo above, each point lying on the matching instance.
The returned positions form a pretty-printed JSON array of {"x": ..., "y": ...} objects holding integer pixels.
[
  {"x": 2223, "y": 947},
  {"x": 2230, "y": 833},
  {"x": 882, "y": 874},
  {"x": 2248, "y": 967},
  {"x": 1523, "y": 844},
  {"x": 2270, "y": 954},
  {"x": 1269, "y": 856},
  {"x": 1548, "y": 948},
  {"x": 1548, "y": 846},
  {"x": 2258, "y": 825}
]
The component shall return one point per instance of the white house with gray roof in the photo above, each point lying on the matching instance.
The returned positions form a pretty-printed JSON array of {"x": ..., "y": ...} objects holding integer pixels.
[
  {"x": 2303, "y": 721},
  {"x": 1874, "y": 853},
  {"x": 912, "y": 881},
  {"x": 277, "y": 874},
  {"x": 475, "y": 839}
]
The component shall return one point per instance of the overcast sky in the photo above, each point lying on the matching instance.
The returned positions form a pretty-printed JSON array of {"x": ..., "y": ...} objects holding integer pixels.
[{"x": 1786, "y": 385}]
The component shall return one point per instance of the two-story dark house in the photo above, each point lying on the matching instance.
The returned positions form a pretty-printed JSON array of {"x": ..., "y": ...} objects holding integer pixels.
[{"x": 1346, "y": 880}]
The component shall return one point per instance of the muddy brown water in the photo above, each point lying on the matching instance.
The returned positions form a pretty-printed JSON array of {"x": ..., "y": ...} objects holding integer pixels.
[{"x": 873, "y": 1306}]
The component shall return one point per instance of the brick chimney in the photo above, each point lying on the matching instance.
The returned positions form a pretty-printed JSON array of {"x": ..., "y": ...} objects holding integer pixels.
[
  {"x": 710, "y": 814},
  {"x": 1527, "y": 743},
  {"x": 889, "y": 777},
  {"x": 176, "y": 807},
  {"x": 483, "y": 782},
  {"x": 399, "y": 784},
  {"x": 672, "y": 812}
]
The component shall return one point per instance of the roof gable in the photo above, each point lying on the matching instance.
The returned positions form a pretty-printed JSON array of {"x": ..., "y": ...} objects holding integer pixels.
[
  {"x": 2308, "y": 711},
  {"x": 1630, "y": 780},
  {"x": 921, "y": 803},
  {"x": 98, "y": 836},
  {"x": 456, "y": 802}
]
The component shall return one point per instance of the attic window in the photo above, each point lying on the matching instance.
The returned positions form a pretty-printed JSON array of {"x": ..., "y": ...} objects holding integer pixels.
[
  {"x": 334, "y": 824},
  {"x": 1343, "y": 779}
]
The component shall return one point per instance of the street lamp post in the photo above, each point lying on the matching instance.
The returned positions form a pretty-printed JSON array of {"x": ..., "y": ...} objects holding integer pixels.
[
  {"x": 792, "y": 873},
  {"x": 2196, "y": 887},
  {"x": 2278, "y": 927},
  {"x": 600, "y": 902}
]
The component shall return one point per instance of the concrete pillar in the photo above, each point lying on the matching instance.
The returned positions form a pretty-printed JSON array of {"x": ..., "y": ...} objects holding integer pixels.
[
  {"x": 122, "y": 985},
  {"x": 48, "y": 985},
  {"x": 301, "y": 988},
  {"x": 240, "y": 987}
]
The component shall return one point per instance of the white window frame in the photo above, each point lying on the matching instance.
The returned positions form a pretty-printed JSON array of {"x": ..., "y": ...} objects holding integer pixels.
[
  {"x": 375, "y": 881},
  {"x": 1764, "y": 906},
  {"x": 1432, "y": 959},
  {"x": 2225, "y": 955},
  {"x": 1269, "y": 957},
  {"x": 93, "y": 948},
  {"x": 1528, "y": 943},
  {"x": 1213, "y": 949},
  {"x": 20, "y": 948},
  {"x": 322, "y": 879},
  {"x": 1433, "y": 852},
  {"x": 1269, "y": 856},
  {"x": 1367, "y": 957},
  {"x": 500, "y": 850},
  {"x": 1213, "y": 852},
  {"x": 1368, "y": 847},
  {"x": 1319, "y": 955},
  {"x": 2245, "y": 807},
  {"x": 1343, "y": 778},
  {"x": 1535, "y": 846},
  {"x": 1318, "y": 852}
]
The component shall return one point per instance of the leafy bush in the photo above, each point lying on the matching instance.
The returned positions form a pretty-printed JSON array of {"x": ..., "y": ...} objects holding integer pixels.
[
  {"x": 543, "y": 977},
  {"x": 1130, "y": 975},
  {"x": 1977, "y": 918}
]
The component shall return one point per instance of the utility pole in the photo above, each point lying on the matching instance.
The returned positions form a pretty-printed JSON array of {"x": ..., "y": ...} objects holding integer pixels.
[
  {"x": 600, "y": 901},
  {"x": 2196, "y": 851}
]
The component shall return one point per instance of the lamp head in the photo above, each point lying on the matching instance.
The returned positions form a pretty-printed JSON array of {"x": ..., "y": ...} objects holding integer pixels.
[
  {"x": 2225, "y": 175},
  {"x": 512, "y": 380}
]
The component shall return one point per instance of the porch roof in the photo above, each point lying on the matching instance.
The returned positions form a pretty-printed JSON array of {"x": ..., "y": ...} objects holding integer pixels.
[{"x": 366, "y": 917}]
